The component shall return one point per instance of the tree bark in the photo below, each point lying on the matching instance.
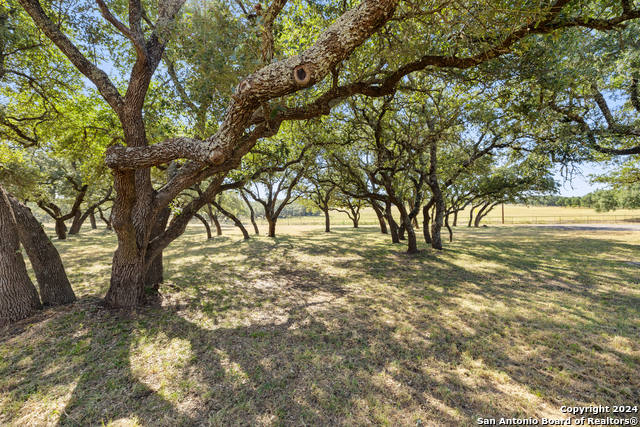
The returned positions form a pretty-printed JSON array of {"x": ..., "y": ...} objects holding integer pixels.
[
  {"x": 52, "y": 279},
  {"x": 412, "y": 243},
  {"x": 446, "y": 223},
  {"x": 401, "y": 230},
  {"x": 105, "y": 220},
  {"x": 155, "y": 271},
  {"x": 436, "y": 225},
  {"x": 18, "y": 297},
  {"x": 327, "y": 221},
  {"x": 272, "y": 226},
  {"x": 393, "y": 226},
  {"x": 251, "y": 213},
  {"x": 378, "y": 210},
  {"x": 455, "y": 219},
  {"x": 206, "y": 225},
  {"x": 61, "y": 229},
  {"x": 414, "y": 220},
  {"x": 479, "y": 215},
  {"x": 92, "y": 219},
  {"x": 412, "y": 246},
  {"x": 78, "y": 219},
  {"x": 425, "y": 222},
  {"x": 214, "y": 219}
]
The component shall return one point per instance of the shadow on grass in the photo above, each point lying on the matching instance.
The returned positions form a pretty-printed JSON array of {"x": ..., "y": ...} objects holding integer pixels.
[{"x": 342, "y": 329}]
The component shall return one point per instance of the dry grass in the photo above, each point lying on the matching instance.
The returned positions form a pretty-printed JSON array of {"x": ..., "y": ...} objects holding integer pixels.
[
  {"x": 341, "y": 329},
  {"x": 514, "y": 214}
]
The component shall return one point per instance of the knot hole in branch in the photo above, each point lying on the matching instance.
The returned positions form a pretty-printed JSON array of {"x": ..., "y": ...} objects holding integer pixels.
[
  {"x": 302, "y": 74},
  {"x": 243, "y": 86}
]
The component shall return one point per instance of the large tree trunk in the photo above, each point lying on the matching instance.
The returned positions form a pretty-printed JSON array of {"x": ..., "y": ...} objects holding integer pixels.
[
  {"x": 92, "y": 219},
  {"x": 401, "y": 230},
  {"x": 61, "y": 229},
  {"x": 455, "y": 218},
  {"x": 412, "y": 242},
  {"x": 436, "y": 224},
  {"x": 155, "y": 272},
  {"x": 272, "y": 226},
  {"x": 378, "y": 210},
  {"x": 78, "y": 219},
  {"x": 45, "y": 259},
  {"x": 393, "y": 226},
  {"x": 327, "y": 220},
  {"x": 206, "y": 225},
  {"x": 18, "y": 297},
  {"x": 131, "y": 210},
  {"x": 411, "y": 237},
  {"x": 127, "y": 285}
]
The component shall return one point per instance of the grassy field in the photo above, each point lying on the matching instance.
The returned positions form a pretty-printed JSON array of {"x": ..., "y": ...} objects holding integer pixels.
[
  {"x": 514, "y": 214},
  {"x": 311, "y": 329}
]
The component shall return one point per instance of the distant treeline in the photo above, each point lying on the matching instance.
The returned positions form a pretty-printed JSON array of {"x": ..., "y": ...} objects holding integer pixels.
[
  {"x": 295, "y": 209},
  {"x": 600, "y": 200}
]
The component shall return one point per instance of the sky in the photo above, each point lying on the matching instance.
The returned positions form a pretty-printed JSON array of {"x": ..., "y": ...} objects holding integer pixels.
[{"x": 579, "y": 184}]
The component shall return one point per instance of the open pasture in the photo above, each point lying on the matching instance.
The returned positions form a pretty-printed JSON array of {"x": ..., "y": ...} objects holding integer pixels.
[
  {"x": 332, "y": 329},
  {"x": 514, "y": 214}
]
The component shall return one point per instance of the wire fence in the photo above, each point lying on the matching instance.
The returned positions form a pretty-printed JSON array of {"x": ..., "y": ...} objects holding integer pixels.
[
  {"x": 559, "y": 219},
  {"x": 520, "y": 219}
]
